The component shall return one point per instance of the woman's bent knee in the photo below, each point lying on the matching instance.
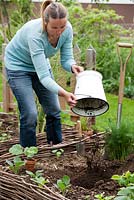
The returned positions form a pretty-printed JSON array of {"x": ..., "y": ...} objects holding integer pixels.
[{"x": 30, "y": 119}]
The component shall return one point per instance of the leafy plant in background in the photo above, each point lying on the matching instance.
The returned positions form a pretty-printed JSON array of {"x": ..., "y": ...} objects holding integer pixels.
[
  {"x": 37, "y": 177},
  {"x": 15, "y": 18},
  {"x": 63, "y": 184},
  {"x": 119, "y": 142},
  {"x": 129, "y": 88}
]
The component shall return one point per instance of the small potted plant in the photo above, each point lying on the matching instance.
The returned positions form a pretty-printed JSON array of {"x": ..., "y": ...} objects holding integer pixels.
[
  {"x": 16, "y": 164},
  {"x": 18, "y": 151},
  {"x": 30, "y": 152}
]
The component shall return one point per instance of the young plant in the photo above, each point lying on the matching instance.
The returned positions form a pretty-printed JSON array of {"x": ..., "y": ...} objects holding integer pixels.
[
  {"x": 16, "y": 150},
  {"x": 101, "y": 197},
  {"x": 58, "y": 152},
  {"x": 16, "y": 164},
  {"x": 125, "y": 193},
  {"x": 126, "y": 180},
  {"x": 37, "y": 177},
  {"x": 63, "y": 184},
  {"x": 30, "y": 151}
]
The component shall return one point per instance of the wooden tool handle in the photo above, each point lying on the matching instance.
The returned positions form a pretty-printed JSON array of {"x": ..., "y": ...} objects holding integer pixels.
[
  {"x": 125, "y": 45},
  {"x": 78, "y": 127}
]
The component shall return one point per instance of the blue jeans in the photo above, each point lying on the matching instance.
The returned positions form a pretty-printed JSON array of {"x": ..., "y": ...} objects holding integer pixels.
[{"x": 23, "y": 85}]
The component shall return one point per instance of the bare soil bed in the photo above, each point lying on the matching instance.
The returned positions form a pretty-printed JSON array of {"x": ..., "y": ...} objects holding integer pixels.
[{"x": 90, "y": 174}]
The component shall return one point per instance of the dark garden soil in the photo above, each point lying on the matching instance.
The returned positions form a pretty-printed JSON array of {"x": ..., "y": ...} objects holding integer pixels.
[{"x": 90, "y": 174}]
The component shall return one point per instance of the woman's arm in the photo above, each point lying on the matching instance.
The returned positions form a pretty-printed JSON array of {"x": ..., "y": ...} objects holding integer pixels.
[{"x": 67, "y": 57}]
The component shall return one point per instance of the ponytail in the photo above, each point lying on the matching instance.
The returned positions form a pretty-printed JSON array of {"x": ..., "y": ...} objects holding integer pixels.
[
  {"x": 43, "y": 7},
  {"x": 52, "y": 9}
]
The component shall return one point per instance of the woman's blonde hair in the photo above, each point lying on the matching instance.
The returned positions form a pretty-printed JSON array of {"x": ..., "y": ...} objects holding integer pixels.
[{"x": 52, "y": 9}]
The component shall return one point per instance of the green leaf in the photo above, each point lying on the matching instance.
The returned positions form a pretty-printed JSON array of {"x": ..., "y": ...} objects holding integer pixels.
[
  {"x": 54, "y": 151},
  {"x": 61, "y": 185},
  {"x": 121, "y": 198},
  {"x": 30, "y": 151},
  {"x": 66, "y": 180},
  {"x": 16, "y": 149},
  {"x": 9, "y": 162},
  {"x": 30, "y": 173}
]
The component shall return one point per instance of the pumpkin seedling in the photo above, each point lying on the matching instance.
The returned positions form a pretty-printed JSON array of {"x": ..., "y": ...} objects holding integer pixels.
[
  {"x": 58, "y": 152},
  {"x": 16, "y": 150},
  {"x": 16, "y": 164},
  {"x": 37, "y": 177},
  {"x": 30, "y": 151},
  {"x": 63, "y": 184}
]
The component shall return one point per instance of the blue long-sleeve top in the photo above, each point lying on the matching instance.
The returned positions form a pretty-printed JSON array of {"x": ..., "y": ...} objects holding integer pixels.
[{"x": 30, "y": 50}]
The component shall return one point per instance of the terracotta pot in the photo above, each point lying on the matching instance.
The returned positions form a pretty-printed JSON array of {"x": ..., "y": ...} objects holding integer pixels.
[{"x": 30, "y": 165}]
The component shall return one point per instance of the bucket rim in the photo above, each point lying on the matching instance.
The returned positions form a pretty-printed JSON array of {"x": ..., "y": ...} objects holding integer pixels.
[{"x": 106, "y": 105}]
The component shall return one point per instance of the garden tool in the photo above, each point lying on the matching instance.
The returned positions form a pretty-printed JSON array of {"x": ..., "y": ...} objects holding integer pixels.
[
  {"x": 122, "y": 77},
  {"x": 80, "y": 146}
]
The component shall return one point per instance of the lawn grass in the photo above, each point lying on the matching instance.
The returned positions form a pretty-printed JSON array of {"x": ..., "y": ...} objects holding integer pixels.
[{"x": 102, "y": 121}]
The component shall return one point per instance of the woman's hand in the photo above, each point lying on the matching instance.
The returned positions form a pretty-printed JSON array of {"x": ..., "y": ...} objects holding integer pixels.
[
  {"x": 69, "y": 97},
  {"x": 77, "y": 69}
]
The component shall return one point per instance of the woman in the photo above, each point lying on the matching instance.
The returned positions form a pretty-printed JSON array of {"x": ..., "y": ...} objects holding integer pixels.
[{"x": 28, "y": 69}]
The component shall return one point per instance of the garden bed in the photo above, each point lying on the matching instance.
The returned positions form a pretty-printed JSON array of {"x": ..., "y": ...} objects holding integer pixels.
[{"x": 90, "y": 174}]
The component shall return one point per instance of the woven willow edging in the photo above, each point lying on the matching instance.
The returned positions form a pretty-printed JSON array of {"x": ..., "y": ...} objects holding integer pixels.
[{"x": 15, "y": 187}]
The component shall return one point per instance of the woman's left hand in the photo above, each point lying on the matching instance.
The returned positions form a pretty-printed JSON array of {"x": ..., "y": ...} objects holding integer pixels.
[{"x": 77, "y": 69}]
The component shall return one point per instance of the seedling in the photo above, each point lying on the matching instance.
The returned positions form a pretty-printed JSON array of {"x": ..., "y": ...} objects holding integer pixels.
[
  {"x": 16, "y": 150},
  {"x": 37, "y": 177},
  {"x": 58, "y": 152},
  {"x": 63, "y": 184},
  {"x": 30, "y": 151},
  {"x": 125, "y": 193},
  {"x": 126, "y": 180},
  {"x": 16, "y": 164},
  {"x": 101, "y": 197},
  {"x": 4, "y": 137}
]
